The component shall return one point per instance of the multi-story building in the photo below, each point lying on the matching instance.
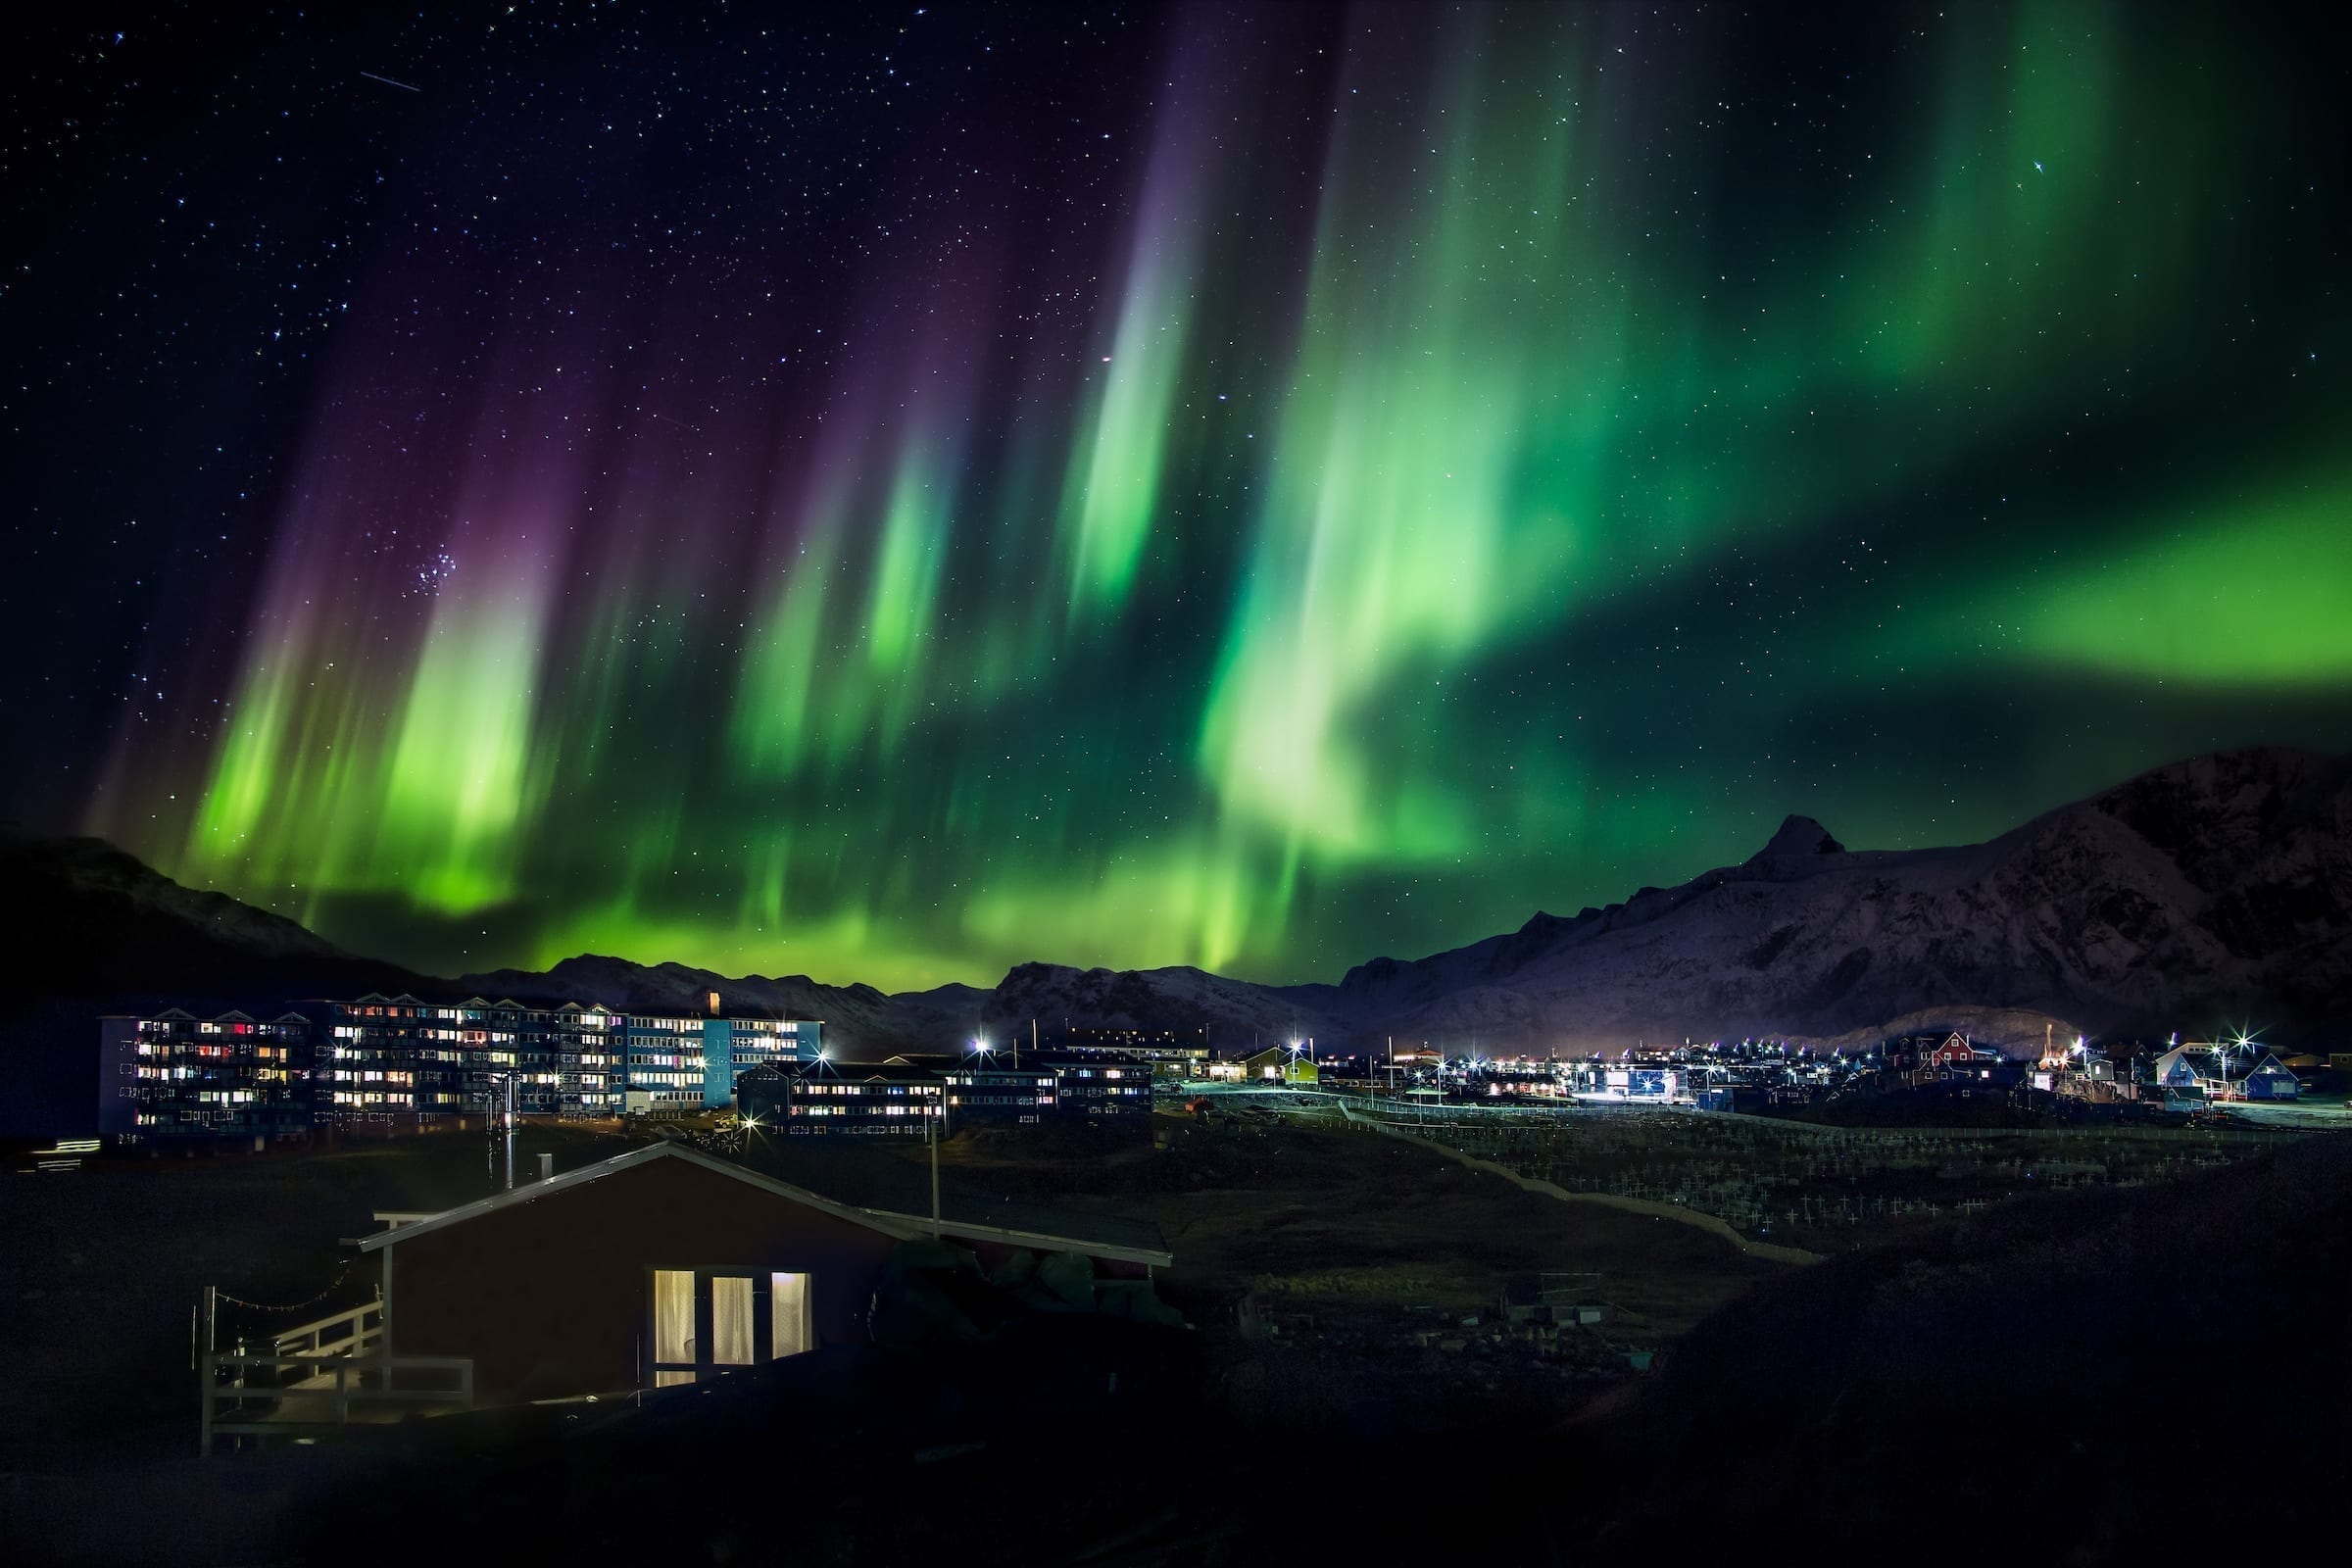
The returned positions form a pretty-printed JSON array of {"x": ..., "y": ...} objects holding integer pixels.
[
  {"x": 1097, "y": 1084},
  {"x": 403, "y": 1063},
  {"x": 1172, "y": 1053},
  {"x": 732, "y": 1046},
  {"x": 691, "y": 1062},
  {"x": 663, "y": 1066},
  {"x": 387, "y": 1060},
  {"x": 590, "y": 1060},
  {"x": 894, "y": 1099},
  {"x": 394, "y": 1058},
  {"x": 986, "y": 1088},
  {"x": 176, "y": 1075}
]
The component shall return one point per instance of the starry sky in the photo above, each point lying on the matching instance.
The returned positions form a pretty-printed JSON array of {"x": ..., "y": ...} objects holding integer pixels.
[{"x": 891, "y": 492}]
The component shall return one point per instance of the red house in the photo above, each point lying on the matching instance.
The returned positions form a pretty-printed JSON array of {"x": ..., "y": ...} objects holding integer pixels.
[
  {"x": 662, "y": 1266},
  {"x": 1955, "y": 1052}
]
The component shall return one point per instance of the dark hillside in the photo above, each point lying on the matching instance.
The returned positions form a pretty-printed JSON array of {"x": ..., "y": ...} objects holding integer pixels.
[
  {"x": 97, "y": 931},
  {"x": 2092, "y": 1377},
  {"x": 97, "y": 924}
]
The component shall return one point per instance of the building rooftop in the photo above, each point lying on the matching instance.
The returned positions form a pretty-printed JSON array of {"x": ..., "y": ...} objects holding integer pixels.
[{"x": 962, "y": 1217}]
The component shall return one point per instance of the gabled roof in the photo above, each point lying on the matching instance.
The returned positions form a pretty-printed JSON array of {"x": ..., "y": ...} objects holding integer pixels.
[
  {"x": 904, "y": 1227},
  {"x": 2198, "y": 1059},
  {"x": 897, "y": 1070}
]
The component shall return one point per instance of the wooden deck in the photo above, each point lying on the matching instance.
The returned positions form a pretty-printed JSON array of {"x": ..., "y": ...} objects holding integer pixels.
[{"x": 330, "y": 1374}]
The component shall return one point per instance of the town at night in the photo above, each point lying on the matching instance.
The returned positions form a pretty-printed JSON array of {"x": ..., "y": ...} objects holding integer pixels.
[{"x": 1176, "y": 784}]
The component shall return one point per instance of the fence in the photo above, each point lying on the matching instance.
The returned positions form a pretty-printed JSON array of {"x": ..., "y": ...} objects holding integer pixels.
[
  {"x": 1821, "y": 1187},
  {"x": 1680, "y": 1213},
  {"x": 325, "y": 1373}
]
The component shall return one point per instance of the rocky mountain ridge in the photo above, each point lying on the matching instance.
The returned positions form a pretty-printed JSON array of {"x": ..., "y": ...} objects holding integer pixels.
[{"x": 2211, "y": 892}]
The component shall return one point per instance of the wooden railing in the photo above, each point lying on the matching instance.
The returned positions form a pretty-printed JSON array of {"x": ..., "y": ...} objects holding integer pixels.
[
  {"x": 265, "y": 1394},
  {"x": 321, "y": 1374},
  {"x": 356, "y": 1332}
]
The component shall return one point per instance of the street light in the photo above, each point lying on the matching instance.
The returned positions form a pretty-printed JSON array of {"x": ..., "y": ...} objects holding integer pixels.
[{"x": 492, "y": 1083}]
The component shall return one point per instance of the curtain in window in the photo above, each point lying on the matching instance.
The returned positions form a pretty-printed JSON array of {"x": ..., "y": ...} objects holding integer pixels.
[
  {"x": 789, "y": 1297},
  {"x": 731, "y": 1320},
  {"x": 673, "y": 1315},
  {"x": 673, "y": 1325}
]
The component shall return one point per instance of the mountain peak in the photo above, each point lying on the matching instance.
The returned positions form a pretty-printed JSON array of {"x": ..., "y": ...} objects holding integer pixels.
[{"x": 1802, "y": 835}]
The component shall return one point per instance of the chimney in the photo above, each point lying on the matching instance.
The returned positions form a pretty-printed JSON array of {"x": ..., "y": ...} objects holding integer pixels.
[{"x": 547, "y": 1167}]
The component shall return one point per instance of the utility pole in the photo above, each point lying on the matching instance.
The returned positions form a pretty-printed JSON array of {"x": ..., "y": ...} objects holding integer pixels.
[
  {"x": 935, "y": 1121},
  {"x": 204, "y": 1440},
  {"x": 492, "y": 1113}
]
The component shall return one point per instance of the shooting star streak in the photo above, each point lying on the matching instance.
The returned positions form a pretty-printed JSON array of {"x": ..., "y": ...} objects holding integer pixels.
[{"x": 389, "y": 82}]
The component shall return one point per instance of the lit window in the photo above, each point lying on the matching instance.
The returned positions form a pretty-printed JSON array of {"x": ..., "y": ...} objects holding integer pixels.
[
  {"x": 789, "y": 1329},
  {"x": 673, "y": 1327},
  {"x": 731, "y": 1320}
]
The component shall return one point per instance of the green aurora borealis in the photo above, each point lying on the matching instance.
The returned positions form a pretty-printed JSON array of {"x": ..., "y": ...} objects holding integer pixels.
[{"x": 1335, "y": 484}]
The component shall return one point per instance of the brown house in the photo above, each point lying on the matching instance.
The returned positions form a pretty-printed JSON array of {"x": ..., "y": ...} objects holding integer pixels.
[{"x": 662, "y": 1266}]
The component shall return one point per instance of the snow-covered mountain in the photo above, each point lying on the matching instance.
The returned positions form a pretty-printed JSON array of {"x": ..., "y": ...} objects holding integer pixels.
[{"x": 2212, "y": 892}]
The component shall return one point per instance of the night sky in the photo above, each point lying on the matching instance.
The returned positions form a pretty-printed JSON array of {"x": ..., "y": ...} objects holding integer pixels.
[{"x": 891, "y": 496}]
